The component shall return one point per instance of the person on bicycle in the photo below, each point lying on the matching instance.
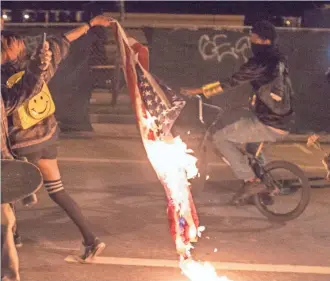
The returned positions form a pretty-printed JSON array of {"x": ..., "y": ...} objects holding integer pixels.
[{"x": 270, "y": 114}]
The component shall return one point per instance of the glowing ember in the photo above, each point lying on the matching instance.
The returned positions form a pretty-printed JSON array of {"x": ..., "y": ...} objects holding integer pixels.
[{"x": 197, "y": 271}]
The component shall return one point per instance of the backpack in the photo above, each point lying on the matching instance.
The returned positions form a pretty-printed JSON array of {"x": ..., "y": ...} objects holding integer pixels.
[{"x": 278, "y": 94}]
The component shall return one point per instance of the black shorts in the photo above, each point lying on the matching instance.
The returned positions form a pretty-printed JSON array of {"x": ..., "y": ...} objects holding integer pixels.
[{"x": 49, "y": 152}]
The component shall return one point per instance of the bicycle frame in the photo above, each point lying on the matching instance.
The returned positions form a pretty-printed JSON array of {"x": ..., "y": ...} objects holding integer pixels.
[
  {"x": 201, "y": 104},
  {"x": 254, "y": 162},
  {"x": 273, "y": 186}
]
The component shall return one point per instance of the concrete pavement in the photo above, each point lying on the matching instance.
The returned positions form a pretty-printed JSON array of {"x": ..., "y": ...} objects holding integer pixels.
[
  {"x": 118, "y": 191},
  {"x": 129, "y": 130}
]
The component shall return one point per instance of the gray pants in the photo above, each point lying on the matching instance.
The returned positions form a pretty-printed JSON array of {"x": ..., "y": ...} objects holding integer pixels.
[{"x": 247, "y": 129}]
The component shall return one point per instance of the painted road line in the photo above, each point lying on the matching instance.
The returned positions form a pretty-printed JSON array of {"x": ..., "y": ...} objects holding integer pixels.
[
  {"x": 312, "y": 168},
  {"x": 135, "y": 161},
  {"x": 218, "y": 265},
  {"x": 118, "y": 161},
  {"x": 302, "y": 148},
  {"x": 103, "y": 160}
]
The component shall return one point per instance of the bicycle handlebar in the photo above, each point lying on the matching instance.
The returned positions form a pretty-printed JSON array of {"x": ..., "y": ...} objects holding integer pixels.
[{"x": 199, "y": 97}]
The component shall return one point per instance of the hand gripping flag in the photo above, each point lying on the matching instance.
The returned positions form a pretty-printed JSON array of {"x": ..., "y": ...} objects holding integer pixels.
[{"x": 156, "y": 108}]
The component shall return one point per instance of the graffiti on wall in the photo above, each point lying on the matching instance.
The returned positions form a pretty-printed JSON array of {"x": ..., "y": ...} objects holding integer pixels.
[{"x": 220, "y": 47}]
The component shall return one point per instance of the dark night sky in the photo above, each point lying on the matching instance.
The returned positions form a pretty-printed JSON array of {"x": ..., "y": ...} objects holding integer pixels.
[{"x": 283, "y": 8}]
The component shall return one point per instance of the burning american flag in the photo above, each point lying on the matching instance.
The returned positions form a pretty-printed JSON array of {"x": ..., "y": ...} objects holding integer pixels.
[{"x": 157, "y": 107}]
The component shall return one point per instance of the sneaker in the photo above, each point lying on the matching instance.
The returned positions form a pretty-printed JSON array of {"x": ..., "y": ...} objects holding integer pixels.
[
  {"x": 91, "y": 251},
  {"x": 18, "y": 240}
]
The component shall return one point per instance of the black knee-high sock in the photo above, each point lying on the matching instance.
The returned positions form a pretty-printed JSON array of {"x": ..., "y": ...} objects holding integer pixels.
[{"x": 57, "y": 193}]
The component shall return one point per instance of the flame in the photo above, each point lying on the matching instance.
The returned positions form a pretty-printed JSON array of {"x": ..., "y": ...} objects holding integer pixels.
[
  {"x": 197, "y": 271},
  {"x": 174, "y": 164}
]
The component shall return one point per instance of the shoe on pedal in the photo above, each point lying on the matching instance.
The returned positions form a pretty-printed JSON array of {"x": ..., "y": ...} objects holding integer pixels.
[{"x": 91, "y": 251}]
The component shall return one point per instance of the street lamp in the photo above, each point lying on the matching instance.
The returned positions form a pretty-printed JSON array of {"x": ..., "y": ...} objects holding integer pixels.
[
  {"x": 29, "y": 15},
  {"x": 6, "y": 15}
]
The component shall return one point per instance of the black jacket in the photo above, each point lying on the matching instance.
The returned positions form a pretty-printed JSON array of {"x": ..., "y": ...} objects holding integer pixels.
[{"x": 263, "y": 72}]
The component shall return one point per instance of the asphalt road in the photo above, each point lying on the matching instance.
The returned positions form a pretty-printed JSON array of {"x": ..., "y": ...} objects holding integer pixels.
[{"x": 119, "y": 193}]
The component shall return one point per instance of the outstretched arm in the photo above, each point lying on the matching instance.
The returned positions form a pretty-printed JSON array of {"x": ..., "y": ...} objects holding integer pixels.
[
  {"x": 59, "y": 46},
  {"x": 248, "y": 72},
  {"x": 76, "y": 33}
]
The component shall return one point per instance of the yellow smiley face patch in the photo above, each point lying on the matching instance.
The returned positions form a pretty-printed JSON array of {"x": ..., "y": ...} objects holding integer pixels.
[
  {"x": 40, "y": 105},
  {"x": 35, "y": 109}
]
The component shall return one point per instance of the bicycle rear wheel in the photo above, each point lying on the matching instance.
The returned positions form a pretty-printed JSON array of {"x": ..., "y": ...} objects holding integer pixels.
[{"x": 285, "y": 180}]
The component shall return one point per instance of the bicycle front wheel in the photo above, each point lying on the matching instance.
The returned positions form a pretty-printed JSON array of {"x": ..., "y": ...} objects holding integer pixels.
[{"x": 289, "y": 190}]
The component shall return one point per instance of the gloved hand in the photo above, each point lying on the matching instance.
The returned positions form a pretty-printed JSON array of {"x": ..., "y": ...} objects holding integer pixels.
[{"x": 207, "y": 90}]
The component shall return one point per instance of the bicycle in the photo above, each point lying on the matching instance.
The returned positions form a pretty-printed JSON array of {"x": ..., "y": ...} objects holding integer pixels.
[{"x": 274, "y": 186}]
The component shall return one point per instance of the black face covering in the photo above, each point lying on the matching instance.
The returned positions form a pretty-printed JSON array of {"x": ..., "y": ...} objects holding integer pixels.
[{"x": 259, "y": 49}]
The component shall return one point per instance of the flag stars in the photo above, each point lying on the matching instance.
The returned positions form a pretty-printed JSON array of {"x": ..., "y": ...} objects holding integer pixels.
[{"x": 147, "y": 93}]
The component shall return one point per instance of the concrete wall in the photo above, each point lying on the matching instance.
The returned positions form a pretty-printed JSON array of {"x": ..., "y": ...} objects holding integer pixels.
[{"x": 193, "y": 56}]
